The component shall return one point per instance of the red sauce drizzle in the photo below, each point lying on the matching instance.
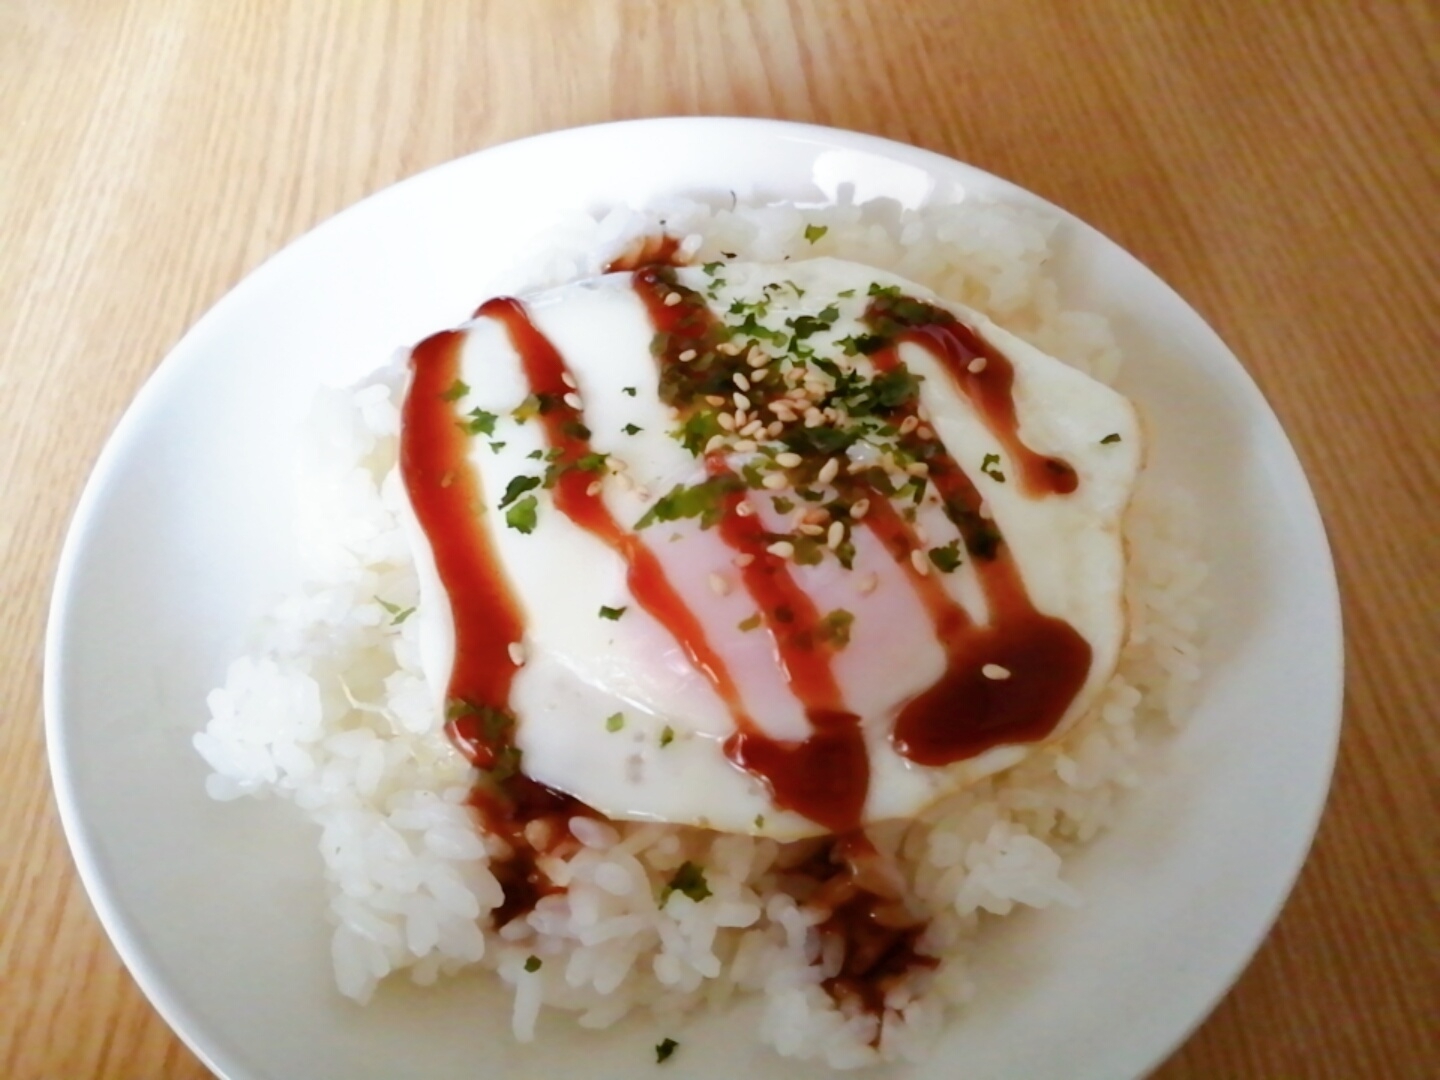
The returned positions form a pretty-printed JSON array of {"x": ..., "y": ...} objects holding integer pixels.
[
  {"x": 647, "y": 251},
  {"x": 445, "y": 495},
  {"x": 990, "y": 390},
  {"x": 899, "y": 538},
  {"x": 964, "y": 712},
  {"x": 545, "y": 371},
  {"x": 826, "y": 777}
]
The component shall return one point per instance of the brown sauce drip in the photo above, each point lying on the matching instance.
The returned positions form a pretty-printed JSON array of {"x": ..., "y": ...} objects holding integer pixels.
[
  {"x": 862, "y": 898},
  {"x": 534, "y": 820},
  {"x": 965, "y": 713}
]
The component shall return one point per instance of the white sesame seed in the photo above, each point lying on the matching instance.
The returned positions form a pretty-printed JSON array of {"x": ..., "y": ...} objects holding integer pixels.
[
  {"x": 995, "y": 671},
  {"x": 741, "y": 381},
  {"x": 918, "y": 468},
  {"x": 919, "y": 562},
  {"x": 745, "y": 509},
  {"x": 742, "y": 418},
  {"x": 573, "y": 400},
  {"x": 926, "y": 433},
  {"x": 788, "y": 460},
  {"x": 741, "y": 401},
  {"x": 714, "y": 399},
  {"x": 810, "y": 530},
  {"x": 774, "y": 481},
  {"x": 729, "y": 348},
  {"x": 985, "y": 511},
  {"x": 719, "y": 586},
  {"x": 568, "y": 379},
  {"x": 759, "y": 374},
  {"x": 726, "y": 421},
  {"x": 753, "y": 428},
  {"x": 775, "y": 428},
  {"x": 688, "y": 355},
  {"x": 757, "y": 357},
  {"x": 828, "y": 471},
  {"x": 672, "y": 299},
  {"x": 813, "y": 418},
  {"x": 745, "y": 446},
  {"x": 594, "y": 488},
  {"x": 909, "y": 424},
  {"x": 782, "y": 549},
  {"x": 922, "y": 412},
  {"x": 835, "y": 535},
  {"x": 976, "y": 366},
  {"x": 516, "y": 650},
  {"x": 859, "y": 509},
  {"x": 868, "y": 584},
  {"x": 715, "y": 443},
  {"x": 743, "y": 559},
  {"x": 623, "y": 482}
]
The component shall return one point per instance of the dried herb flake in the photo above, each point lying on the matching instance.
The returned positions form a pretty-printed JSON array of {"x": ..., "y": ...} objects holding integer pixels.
[{"x": 688, "y": 879}]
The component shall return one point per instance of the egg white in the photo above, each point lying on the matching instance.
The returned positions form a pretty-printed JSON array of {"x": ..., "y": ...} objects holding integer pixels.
[{"x": 666, "y": 762}]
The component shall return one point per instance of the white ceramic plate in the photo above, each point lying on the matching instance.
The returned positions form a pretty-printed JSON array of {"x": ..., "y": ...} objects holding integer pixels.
[{"x": 181, "y": 540}]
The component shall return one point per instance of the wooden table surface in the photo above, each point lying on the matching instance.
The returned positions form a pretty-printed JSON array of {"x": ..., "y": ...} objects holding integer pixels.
[{"x": 1278, "y": 163}]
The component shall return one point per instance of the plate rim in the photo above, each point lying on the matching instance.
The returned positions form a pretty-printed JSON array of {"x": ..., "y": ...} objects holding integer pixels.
[{"x": 185, "y": 353}]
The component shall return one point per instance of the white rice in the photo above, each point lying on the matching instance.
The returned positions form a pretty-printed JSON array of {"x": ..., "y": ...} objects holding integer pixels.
[{"x": 331, "y": 711}]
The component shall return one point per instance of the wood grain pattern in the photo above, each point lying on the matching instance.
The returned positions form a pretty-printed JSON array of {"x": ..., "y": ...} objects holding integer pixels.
[{"x": 1278, "y": 163}]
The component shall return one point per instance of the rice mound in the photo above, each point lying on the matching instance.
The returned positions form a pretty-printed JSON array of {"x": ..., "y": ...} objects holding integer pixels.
[{"x": 330, "y": 710}]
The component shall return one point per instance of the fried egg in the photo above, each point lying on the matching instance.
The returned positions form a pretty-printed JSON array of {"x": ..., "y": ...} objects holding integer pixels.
[{"x": 609, "y": 704}]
